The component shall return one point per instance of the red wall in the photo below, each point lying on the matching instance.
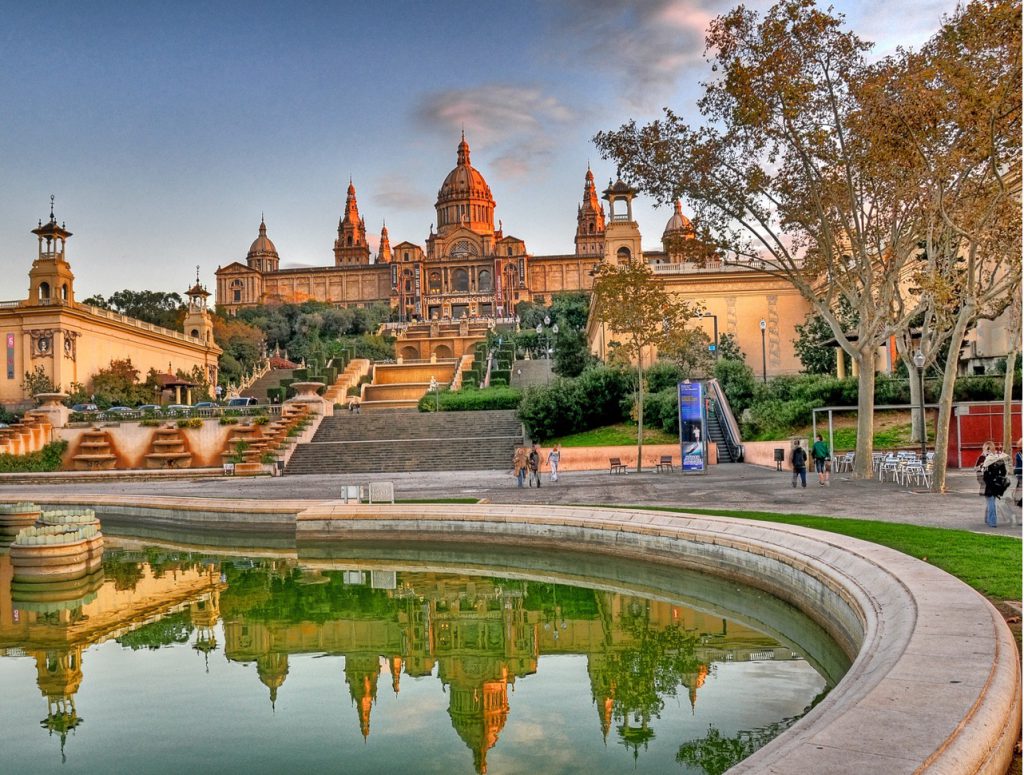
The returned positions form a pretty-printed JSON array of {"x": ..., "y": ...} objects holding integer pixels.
[{"x": 972, "y": 425}]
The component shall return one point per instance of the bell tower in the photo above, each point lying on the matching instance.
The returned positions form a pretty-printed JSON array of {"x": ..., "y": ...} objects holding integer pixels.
[
  {"x": 50, "y": 280},
  {"x": 351, "y": 246},
  {"x": 590, "y": 224},
  {"x": 198, "y": 323},
  {"x": 622, "y": 235}
]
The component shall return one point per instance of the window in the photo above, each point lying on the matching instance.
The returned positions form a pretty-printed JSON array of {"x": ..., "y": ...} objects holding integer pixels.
[
  {"x": 460, "y": 280},
  {"x": 64, "y": 291},
  {"x": 623, "y": 254},
  {"x": 434, "y": 281},
  {"x": 405, "y": 256},
  {"x": 483, "y": 280},
  {"x": 238, "y": 295},
  {"x": 44, "y": 290}
]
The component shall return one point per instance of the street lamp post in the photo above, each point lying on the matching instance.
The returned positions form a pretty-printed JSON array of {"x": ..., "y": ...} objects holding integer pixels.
[
  {"x": 714, "y": 321},
  {"x": 764, "y": 353},
  {"x": 918, "y": 359}
]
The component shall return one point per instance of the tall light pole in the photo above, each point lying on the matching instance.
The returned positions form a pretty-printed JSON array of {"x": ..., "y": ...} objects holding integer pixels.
[
  {"x": 918, "y": 359},
  {"x": 714, "y": 320},
  {"x": 764, "y": 353}
]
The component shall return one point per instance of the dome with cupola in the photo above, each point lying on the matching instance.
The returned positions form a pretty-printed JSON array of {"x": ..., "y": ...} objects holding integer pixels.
[
  {"x": 678, "y": 223},
  {"x": 262, "y": 254},
  {"x": 464, "y": 198}
]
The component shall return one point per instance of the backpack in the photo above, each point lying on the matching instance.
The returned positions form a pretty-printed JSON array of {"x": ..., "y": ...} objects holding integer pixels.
[{"x": 799, "y": 457}]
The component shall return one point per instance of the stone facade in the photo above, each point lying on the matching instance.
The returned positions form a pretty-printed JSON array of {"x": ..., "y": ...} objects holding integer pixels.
[
  {"x": 468, "y": 268},
  {"x": 72, "y": 341}
]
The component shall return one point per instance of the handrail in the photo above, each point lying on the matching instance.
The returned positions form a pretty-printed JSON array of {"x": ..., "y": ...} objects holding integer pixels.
[{"x": 730, "y": 427}]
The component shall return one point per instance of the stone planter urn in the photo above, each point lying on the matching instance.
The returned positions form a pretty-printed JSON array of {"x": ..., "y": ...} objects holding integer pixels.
[
  {"x": 306, "y": 394},
  {"x": 50, "y": 405}
]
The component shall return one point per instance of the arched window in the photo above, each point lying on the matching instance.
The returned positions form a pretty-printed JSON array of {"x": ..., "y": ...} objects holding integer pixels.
[
  {"x": 64, "y": 291},
  {"x": 349, "y": 240},
  {"x": 623, "y": 254},
  {"x": 434, "y": 281},
  {"x": 44, "y": 290},
  {"x": 483, "y": 280},
  {"x": 460, "y": 280},
  {"x": 194, "y": 333},
  {"x": 591, "y": 228}
]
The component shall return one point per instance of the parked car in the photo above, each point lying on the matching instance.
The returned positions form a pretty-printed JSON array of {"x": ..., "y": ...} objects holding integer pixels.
[
  {"x": 150, "y": 408},
  {"x": 85, "y": 408},
  {"x": 205, "y": 405},
  {"x": 242, "y": 401},
  {"x": 177, "y": 409},
  {"x": 119, "y": 410}
]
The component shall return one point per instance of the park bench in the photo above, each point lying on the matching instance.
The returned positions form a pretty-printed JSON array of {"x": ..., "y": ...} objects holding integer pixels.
[
  {"x": 665, "y": 464},
  {"x": 616, "y": 466}
]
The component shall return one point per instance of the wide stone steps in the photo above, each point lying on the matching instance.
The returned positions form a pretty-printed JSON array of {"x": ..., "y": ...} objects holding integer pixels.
[
  {"x": 271, "y": 379},
  {"x": 409, "y": 441}
]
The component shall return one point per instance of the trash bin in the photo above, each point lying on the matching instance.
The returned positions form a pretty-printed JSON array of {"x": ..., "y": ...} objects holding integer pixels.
[
  {"x": 780, "y": 458},
  {"x": 278, "y": 468}
]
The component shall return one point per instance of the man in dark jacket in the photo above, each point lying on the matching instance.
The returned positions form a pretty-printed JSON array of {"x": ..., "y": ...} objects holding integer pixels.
[
  {"x": 798, "y": 457},
  {"x": 534, "y": 463}
]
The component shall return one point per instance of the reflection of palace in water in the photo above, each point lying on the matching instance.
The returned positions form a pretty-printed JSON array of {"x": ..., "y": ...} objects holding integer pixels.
[{"x": 479, "y": 634}]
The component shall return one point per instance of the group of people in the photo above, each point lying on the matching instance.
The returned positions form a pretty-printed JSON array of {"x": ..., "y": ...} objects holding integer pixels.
[
  {"x": 993, "y": 471},
  {"x": 822, "y": 462},
  {"x": 526, "y": 464}
]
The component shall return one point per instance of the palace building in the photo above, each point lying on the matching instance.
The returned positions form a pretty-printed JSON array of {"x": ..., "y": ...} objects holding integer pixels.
[
  {"x": 70, "y": 341},
  {"x": 469, "y": 268}
]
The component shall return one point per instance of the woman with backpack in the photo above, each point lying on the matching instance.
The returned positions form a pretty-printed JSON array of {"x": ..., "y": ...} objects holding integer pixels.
[{"x": 995, "y": 477}]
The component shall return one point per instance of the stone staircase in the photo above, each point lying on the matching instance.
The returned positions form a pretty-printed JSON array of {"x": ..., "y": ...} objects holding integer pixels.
[
  {"x": 395, "y": 441},
  {"x": 271, "y": 379}
]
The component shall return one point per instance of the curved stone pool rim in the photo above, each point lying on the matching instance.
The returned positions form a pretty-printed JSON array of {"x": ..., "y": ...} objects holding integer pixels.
[{"x": 934, "y": 684}]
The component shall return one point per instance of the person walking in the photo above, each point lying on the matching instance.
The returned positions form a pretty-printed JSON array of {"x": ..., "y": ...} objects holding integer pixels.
[
  {"x": 820, "y": 453},
  {"x": 994, "y": 475},
  {"x": 519, "y": 461},
  {"x": 798, "y": 457},
  {"x": 534, "y": 463},
  {"x": 553, "y": 457},
  {"x": 987, "y": 449},
  {"x": 1018, "y": 465}
]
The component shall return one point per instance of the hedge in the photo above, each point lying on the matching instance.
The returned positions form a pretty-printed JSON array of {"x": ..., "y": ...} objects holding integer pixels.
[
  {"x": 46, "y": 459},
  {"x": 472, "y": 400}
]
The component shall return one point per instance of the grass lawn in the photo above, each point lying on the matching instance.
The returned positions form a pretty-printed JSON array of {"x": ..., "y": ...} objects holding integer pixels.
[
  {"x": 989, "y": 564},
  {"x": 620, "y": 435}
]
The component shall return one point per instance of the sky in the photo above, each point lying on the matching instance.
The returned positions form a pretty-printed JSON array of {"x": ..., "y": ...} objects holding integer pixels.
[{"x": 166, "y": 130}]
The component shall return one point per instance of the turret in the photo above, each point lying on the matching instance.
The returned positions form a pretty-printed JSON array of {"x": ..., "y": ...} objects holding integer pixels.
[
  {"x": 351, "y": 246},
  {"x": 590, "y": 221},
  {"x": 50, "y": 280},
  {"x": 384, "y": 252}
]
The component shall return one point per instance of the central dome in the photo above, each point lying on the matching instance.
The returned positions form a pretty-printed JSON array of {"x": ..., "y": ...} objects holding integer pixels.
[
  {"x": 465, "y": 198},
  {"x": 262, "y": 246}
]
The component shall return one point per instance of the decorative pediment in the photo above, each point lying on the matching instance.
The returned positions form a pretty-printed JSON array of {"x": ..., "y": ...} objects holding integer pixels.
[{"x": 235, "y": 268}]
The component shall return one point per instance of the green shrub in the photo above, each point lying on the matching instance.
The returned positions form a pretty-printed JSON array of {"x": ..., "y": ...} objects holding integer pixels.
[
  {"x": 472, "y": 400},
  {"x": 661, "y": 410},
  {"x": 261, "y": 419},
  {"x": 194, "y": 422},
  {"x": 663, "y": 375},
  {"x": 978, "y": 389},
  {"x": 227, "y": 420},
  {"x": 46, "y": 459},
  {"x": 149, "y": 422},
  {"x": 499, "y": 382},
  {"x": 737, "y": 381}
]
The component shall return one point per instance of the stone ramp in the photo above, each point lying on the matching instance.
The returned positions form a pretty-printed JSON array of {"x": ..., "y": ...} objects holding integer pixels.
[{"x": 383, "y": 442}]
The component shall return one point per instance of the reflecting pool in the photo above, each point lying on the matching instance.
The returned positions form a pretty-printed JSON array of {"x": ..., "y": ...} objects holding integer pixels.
[{"x": 397, "y": 659}]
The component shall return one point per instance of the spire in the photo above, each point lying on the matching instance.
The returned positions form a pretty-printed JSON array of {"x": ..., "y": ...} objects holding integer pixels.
[
  {"x": 463, "y": 150},
  {"x": 384, "y": 252}
]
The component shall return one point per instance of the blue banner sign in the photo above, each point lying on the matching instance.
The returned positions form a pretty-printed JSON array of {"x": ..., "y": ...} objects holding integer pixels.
[{"x": 692, "y": 427}]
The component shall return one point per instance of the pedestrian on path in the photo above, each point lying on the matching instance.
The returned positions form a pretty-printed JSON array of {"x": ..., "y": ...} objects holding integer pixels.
[
  {"x": 798, "y": 457},
  {"x": 995, "y": 475},
  {"x": 820, "y": 453},
  {"x": 1018, "y": 465},
  {"x": 987, "y": 449},
  {"x": 519, "y": 462},
  {"x": 534, "y": 463},
  {"x": 553, "y": 457}
]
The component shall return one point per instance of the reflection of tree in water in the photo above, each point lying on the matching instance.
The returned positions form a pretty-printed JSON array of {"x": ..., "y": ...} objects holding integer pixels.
[
  {"x": 173, "y": 628},
  {"x": 650, "y": 668},
  {"x": 715, "y": 753},
  {"x": 124, "y": 573}
]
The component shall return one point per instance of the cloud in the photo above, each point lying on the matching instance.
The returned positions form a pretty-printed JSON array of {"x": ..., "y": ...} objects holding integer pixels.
[
  {"x": 396, "y": 191},
  {"x": 518, "y": 123},
  {"x": 650, "y": 44}
]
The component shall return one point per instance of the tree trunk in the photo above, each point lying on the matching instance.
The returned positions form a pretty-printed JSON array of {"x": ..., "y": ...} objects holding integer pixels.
[
  {"x": 639, "y": 412},
  {"x": 862, "y": 467},
  {"x": 917, "y": 415},
  {"x": 1011, "y": 372},
  {"x": 945, "y": 410}
]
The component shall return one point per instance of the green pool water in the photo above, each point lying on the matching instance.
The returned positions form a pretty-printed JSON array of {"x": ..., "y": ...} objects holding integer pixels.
[{"x": 383, "y": 659}]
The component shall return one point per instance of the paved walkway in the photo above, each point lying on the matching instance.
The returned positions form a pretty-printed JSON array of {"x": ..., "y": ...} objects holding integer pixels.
[{"x": 743, "y": 487}]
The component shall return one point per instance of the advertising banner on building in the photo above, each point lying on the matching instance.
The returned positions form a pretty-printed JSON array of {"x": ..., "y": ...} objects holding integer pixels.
[
  {"x": 10, "y": 356},
  {"x": 692, "y": 428}
]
